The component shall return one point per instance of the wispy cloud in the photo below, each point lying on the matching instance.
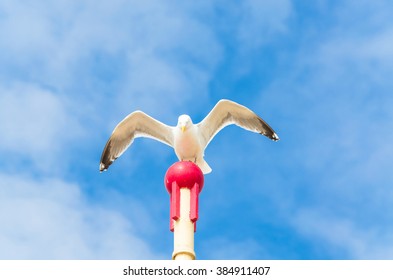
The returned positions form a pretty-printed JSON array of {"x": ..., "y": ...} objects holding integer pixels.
[
  {"x": 36, "y": 125},
  {"x": 221, "y": 248},
  {"x": 65, "y": 66},
  {"x": 52, "y": 219},
  {"x": 343, "y": 235},
  {"x": 337, "y": 101},
  {"x": 262, "y": 21},
  {"x": 152, "y": 43}
]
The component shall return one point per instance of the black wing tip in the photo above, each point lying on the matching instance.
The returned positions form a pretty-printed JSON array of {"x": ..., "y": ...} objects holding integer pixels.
[
  {"x": 103, "y": 167},
  {"x": 106, "y": 160},
  {"x": 273, "y": 136},
  {"x": 268, "y": 131}
]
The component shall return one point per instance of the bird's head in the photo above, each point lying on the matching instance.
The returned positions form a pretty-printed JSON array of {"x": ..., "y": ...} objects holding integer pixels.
[{"x": 184, "y": 122}]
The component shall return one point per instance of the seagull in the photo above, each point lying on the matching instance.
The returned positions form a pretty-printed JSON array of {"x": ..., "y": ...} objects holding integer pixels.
[{"x": 187, "y": 139}]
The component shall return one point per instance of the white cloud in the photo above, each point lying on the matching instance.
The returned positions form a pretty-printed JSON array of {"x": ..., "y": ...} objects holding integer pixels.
[
  {"x": 24, "y": 27},
  {"x": 221, "y": 248},
  {"x": 345, "y": 58},
  {"x": 51, "y": 219},
  {"x": 335, "y": 234},
  {"x": 53, "y": 100},
  {"x": 35, "y": 124},
  {"x": 261, "y": 20},
  {"x": 51, "y": 59},
  {"x": 57, "y": 44},
  {"x": 335, "y": 100}
]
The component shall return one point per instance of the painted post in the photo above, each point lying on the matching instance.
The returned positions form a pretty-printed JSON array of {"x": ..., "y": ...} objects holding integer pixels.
[{"x": 184, "y": 181}]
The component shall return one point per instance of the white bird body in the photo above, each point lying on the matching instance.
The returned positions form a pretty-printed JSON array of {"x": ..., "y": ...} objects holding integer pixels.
[
  {"x": 188, "y": 140},
  {"x": 187, "y": 144}
]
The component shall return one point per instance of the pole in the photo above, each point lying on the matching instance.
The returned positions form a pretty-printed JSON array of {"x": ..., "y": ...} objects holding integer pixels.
[
  {"x": 184, "y": 181},
  {"x": 183, "y": 230}
]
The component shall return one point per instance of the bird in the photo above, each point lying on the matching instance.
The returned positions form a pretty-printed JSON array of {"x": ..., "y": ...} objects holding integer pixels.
[{"x": 188, "y": 140}]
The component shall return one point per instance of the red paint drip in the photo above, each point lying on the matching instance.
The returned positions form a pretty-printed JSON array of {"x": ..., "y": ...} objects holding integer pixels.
[
  {"x": 174, "y": 205},
  {"x": 194, "y": 203}
]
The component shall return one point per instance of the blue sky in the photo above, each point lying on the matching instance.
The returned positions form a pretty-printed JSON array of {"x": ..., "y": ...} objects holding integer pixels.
[{"x": 319, "y": 72}]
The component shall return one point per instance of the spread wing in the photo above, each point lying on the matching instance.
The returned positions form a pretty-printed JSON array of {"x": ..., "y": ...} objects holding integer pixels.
[
  {"x": 227, "y": 112},
  {"x": 136, "y": 124}
]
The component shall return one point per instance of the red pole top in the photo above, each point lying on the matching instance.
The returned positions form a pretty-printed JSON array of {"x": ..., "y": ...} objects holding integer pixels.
[{"x": 185, "y": 174}]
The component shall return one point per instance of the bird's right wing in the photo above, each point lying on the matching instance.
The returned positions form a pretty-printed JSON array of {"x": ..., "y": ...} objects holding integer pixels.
[
  {"x": 227, "y": 112},
  {"x": 136, "y": 124}
]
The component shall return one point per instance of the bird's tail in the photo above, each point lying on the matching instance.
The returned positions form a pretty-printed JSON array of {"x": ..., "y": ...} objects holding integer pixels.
[{"x": 204, "y": 166}]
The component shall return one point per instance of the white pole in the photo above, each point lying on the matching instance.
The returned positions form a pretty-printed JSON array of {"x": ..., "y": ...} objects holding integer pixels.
[{"x": 184, "y": 230}]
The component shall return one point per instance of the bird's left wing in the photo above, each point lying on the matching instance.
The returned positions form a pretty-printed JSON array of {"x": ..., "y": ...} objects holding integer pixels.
[
  {"x": 136, "y": 124},
  {"x": 227, "y": 112}
]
